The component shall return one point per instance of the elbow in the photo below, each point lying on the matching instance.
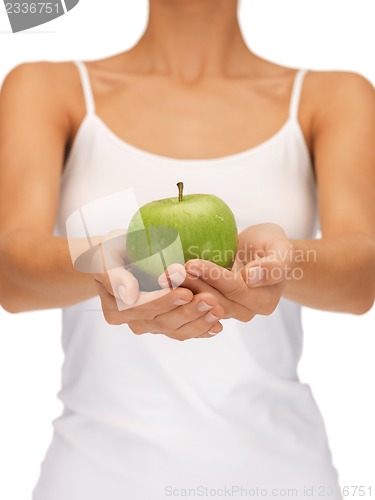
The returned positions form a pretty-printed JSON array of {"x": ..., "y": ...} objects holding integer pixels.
[
  {"x": 10, "y": 294},
  {"x": 9, "y": 305},
  {"x": 363, "y": 306},
  {"x": 10, "y": 308},
  {"x": 364, "y": 298},
  {"x": 365, "y": 290},
  {"x": 10, "y": 299},
  {"x": 13, "y": 306}
]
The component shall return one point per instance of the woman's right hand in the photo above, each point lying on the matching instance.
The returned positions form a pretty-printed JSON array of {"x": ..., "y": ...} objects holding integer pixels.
[
  {"x": 176, "y": 313},
  {"x": 173, "y": 311}
]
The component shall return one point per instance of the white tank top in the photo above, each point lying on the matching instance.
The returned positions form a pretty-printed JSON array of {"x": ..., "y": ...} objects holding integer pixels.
[{"x": 147, "y": 417}]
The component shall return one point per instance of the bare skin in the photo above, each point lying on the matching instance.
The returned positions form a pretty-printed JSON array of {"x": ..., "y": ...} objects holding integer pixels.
[{"x": 194, "y": 65}]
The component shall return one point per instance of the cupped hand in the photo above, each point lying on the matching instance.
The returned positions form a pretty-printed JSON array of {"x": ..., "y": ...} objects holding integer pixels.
[
  {"x": 176, "y": 313},
  {"x": 173, "y": 311},
  {"x": 257, "y": 279}
]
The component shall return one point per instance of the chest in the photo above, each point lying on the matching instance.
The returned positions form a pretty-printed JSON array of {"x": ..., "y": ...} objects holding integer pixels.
[{"x": 216, "y": 118}]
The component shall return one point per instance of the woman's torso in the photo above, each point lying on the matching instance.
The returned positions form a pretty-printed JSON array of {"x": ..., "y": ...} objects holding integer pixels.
[{"x": 224, "y": 411}]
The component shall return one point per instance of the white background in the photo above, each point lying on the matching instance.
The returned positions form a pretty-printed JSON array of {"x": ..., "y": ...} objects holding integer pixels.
[{"x": 338, "y": 359}]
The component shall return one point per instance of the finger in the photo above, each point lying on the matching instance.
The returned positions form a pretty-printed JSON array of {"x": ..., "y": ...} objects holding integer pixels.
[
  {"x": 113, "y": 248},
  {"x": 201, "y": 326},
  {"x": 120, "y": 283},
  {"x": 152, "y": 304},
  {"x": 265, "y": 272},
  {"x": 212, "y": 332},
  {"x": 244, "y": 302},
  {"x": 197, "y": 308},
  {"x": 232, "y": 307},
  {"x": 124, "y": 285},
  {"x": 173, "y": 276},
  {"x": 148, "y": 305},
  {"x": 238, "y": 265},
  {"x": 117, "y": 280},
  {"x": 109, "y": 253},
  {"x": 143, "y": 299},
  {"x": 223, "y": 280},
  {"x": 141, "y": 327}
]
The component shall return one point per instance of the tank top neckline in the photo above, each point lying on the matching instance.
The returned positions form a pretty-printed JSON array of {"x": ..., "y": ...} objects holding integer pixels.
[{"x": 291, "y": 122}]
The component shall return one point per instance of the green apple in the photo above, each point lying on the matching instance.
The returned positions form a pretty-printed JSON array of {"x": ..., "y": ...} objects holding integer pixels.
[{"x": 178, "y": 229}]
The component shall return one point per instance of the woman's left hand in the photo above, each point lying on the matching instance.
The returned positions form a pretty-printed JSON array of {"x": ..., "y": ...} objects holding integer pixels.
[{"x": 257, "y": 279}]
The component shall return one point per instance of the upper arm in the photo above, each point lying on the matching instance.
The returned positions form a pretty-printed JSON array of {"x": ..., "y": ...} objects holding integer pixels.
[
  {"x": 33, "y": 131},
  {"x": 344, "y": 152}
]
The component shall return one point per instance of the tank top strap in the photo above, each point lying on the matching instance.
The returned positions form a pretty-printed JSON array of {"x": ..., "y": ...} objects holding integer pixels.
[
  {"x": 86, "y": 86},
  {"x": 296, "y": 93}
]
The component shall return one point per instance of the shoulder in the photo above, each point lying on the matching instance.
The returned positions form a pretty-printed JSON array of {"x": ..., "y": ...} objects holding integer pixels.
[
  {"x": 332, "y": 91},
  {"x": 50, "y": 80},
  {"x": 40, "y": 75},
  {"x": 50, "y": 87},
  {"x": 333, "y": 81}
]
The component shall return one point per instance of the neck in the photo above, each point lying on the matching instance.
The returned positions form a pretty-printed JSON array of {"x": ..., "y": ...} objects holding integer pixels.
[{"x": 191, "y": 39}]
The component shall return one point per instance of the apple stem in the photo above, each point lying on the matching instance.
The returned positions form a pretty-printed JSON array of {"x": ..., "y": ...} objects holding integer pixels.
[{"x": 180, "y": 186}]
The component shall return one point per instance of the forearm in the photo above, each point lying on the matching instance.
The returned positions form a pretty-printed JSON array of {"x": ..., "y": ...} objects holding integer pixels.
[
  {"x": 335, "y": 274},
  {"x": 36, "y": 272}
]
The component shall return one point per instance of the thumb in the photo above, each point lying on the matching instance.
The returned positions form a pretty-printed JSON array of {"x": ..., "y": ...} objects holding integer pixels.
[
  {"x": 265, "y": 272},
  {"x": 124, "y": 285},
  {"x": 120, "y": 283}
]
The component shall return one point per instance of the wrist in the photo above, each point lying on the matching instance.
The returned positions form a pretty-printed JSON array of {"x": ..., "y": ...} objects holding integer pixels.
[{"x": 298, "y": 256}]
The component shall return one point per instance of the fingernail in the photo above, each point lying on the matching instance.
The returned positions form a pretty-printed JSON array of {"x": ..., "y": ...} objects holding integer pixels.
[
  {"x": 175, "y": 278},
  {"x": 122, "y": 293},
  {"x": 180, "y": 302},
  {"x": 202, "y": 306},
  {"x": 255, "y": 274},
  {"x": 195, "y": 272},
  {"x": 211, "y": 317},
  {"x": 212, "y": 333}
]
